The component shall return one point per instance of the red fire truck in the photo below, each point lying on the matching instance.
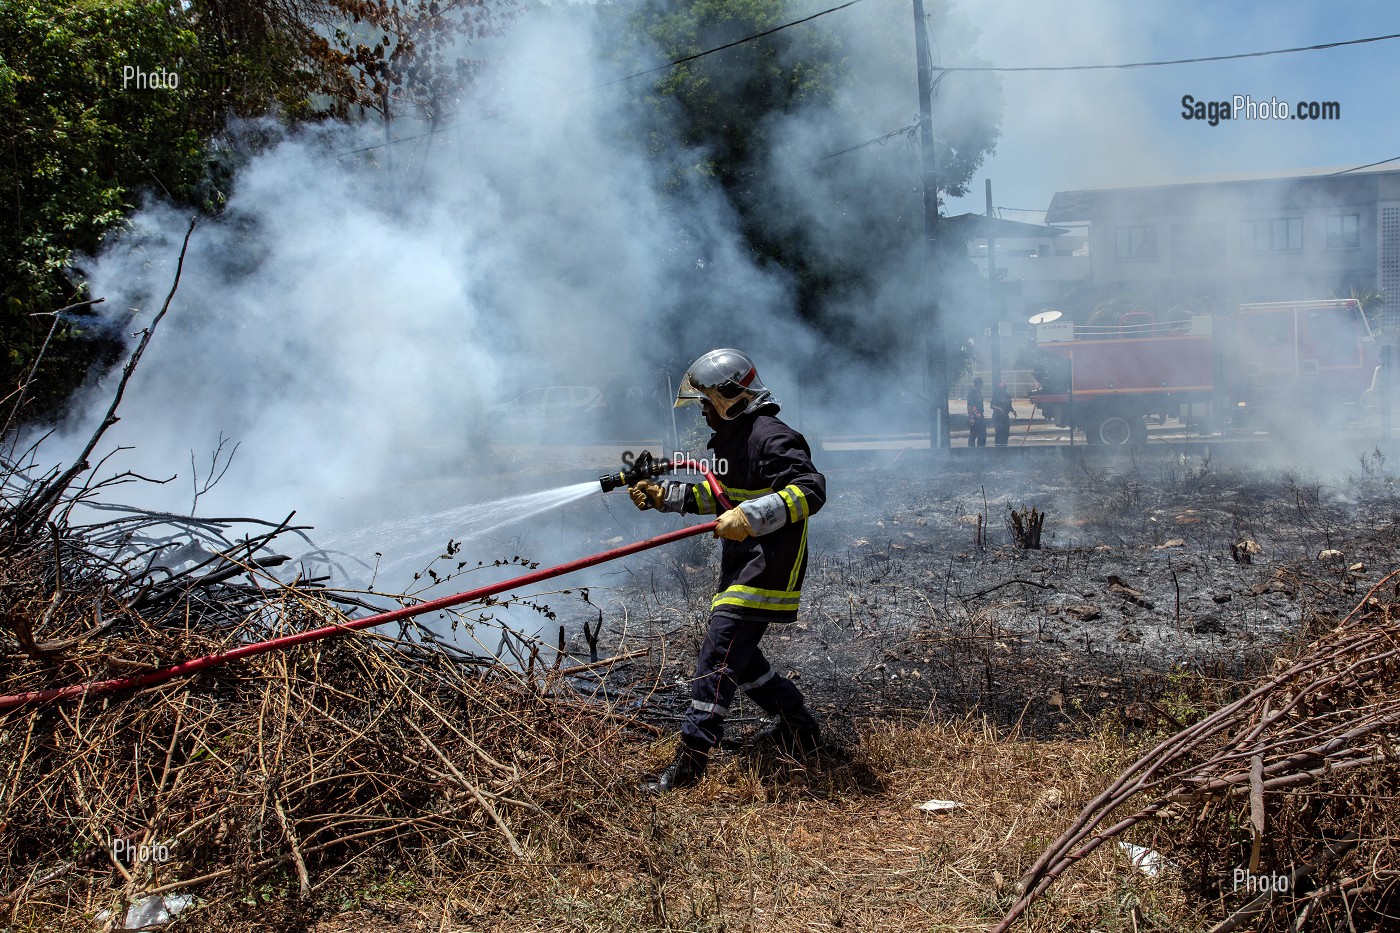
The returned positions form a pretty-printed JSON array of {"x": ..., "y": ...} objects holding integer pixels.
[{"x": 1264, "y": 363}]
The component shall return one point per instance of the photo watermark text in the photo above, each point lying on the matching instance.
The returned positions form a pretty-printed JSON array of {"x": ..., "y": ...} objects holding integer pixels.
[{"x": 1245, "y": 107}]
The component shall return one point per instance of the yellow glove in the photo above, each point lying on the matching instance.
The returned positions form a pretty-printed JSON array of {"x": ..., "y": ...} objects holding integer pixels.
[
  {"x": 734, "y": 526},
  {"x": 646, "y": 494}
]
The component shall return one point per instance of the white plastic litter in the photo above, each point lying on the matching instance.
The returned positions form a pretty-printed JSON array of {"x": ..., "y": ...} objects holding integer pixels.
[
  {"x": 1145, "y": 860},
  {"x": 154, "y": 911},
  {"x": 938, "y": 806}
]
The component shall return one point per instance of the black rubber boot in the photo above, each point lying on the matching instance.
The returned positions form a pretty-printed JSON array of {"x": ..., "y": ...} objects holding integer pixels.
[
  {"x": 685, "y": 771},
  {"x": 800, "y": 738}
]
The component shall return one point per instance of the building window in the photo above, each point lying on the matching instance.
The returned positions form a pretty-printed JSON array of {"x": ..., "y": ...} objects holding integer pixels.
[
  {"x": 1137, "y": 242},
  {"x": 1257, "y": 236},
  {"x": 1343, "y": 231}
]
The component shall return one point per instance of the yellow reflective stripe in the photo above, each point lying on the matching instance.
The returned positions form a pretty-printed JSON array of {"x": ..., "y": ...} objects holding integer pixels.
[
  {"x": 704, "y": 499},
  {"x": 790, "y": 502},
  {"x": 751, "y": 597},
  {"x": 797, "y": 564},
  {"x": 796, "y": 500},
  {"x": 743, "y": 495}
]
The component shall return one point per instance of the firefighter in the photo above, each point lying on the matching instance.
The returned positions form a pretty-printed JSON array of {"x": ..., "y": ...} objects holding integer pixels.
[
  {"x": 976, "y": 415},
  {"x": 1002, "y": 413},
  {"x": 765, "y": 469}
]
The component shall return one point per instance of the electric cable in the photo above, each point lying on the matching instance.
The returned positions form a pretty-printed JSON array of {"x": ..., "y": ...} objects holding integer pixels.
[
  {"x": 1357, "y": 168},
  {"x": 1128, "y": 65},
  {"x": 1175, "y": 61},
  {"x": 638, "y": 74},
  {"x": 942, "y": 71},
  {"x": 728, "y": 45},
  {"x": 869, "y": 142}
]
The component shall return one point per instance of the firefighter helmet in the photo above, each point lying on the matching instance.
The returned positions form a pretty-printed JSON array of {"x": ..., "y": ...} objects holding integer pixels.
[{"x": 727, "y": 380}]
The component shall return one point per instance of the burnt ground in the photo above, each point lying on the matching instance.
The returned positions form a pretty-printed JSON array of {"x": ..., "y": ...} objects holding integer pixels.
[{"x": 1148, "y": 570}]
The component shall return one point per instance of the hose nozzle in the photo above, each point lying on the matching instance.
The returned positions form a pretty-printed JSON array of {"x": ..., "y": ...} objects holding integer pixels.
[{"x": 644, "y": 467}]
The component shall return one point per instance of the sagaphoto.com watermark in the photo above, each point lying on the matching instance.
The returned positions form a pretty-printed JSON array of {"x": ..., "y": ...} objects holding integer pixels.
[{"x": 1245, "y": 107}]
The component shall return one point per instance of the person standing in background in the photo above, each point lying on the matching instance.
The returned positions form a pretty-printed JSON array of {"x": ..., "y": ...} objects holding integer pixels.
[
  {"x": 976, "y": 415},
  {"x": 1002, "y": 413}
]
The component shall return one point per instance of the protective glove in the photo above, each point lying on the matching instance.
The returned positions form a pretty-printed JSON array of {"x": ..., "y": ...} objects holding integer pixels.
[
  {"x": 646, "y": 494},
  {"x": 734, "y": 526}
]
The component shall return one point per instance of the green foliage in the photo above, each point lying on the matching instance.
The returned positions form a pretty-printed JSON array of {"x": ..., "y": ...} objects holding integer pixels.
[
  {"x": 91, "y": 122},
  {"x": 80, "y": 141},
  {"x": 723, "y": 101},
  {"x": 722, "y": 106},
  {"x": 838, "y": 231}
]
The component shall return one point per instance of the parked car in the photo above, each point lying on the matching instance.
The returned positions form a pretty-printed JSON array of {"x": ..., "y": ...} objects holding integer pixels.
[{"x": 548, "y": 413}]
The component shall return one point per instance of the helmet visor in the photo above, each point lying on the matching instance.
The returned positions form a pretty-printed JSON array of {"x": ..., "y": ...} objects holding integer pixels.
[
  {"x": 687, "y": 394},
  {"x": 727, "y": 399}
]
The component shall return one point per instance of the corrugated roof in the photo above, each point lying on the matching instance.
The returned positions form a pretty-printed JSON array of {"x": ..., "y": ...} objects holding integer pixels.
[{"x": 1078, "y": 204}]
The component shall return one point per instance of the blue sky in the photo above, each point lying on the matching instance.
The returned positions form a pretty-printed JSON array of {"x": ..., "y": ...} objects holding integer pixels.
[{"x": 1077, "y": 130}]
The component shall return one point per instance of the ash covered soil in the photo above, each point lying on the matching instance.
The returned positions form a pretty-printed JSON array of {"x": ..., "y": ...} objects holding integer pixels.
[{"x": 1146, "y": 568}]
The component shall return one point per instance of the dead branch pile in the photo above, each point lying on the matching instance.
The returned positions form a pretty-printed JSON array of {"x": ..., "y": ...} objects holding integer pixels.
[
  {"x": 1279, "y": 807},
  {"x": 285, "y": 766}
]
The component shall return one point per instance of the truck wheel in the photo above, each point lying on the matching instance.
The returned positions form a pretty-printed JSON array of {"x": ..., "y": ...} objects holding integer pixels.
[{"x": 1115, "y": 430}]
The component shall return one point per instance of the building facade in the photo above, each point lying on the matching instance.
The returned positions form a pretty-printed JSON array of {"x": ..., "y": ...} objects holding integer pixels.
[{"x": 1213, "y": 244}]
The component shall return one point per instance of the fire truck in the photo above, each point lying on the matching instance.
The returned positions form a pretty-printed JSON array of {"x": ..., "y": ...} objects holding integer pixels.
[{"x": 1261, "y": 365}]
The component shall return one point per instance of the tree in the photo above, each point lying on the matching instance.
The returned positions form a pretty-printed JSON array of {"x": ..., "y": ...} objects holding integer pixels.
[
  {"x": 844, "y": 227},
  {"x": 724, "y": 101},
  {"x": 104, "y": 102},
  {"x": 82, "y": 125}
]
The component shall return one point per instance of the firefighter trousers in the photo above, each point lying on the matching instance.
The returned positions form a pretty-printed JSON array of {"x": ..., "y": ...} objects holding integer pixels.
[{"x": 729, "y": 661}]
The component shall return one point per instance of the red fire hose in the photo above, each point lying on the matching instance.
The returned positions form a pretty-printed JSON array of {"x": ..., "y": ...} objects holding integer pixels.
[{"x": 185, "y": 668}]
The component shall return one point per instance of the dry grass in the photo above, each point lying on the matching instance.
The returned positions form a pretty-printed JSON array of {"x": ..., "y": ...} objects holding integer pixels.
[{"x": 768, "y": 843}]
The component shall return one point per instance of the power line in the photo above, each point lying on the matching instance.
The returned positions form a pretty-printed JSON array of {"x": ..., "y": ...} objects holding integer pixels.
[
  {"x": 433, "y": 132},
  {"x": 728, "y": 45},
  {"x": 1176, "y": 61},
  {"x": 1128, "y": 65},
  {"x": 943, "y": 71},
  {"x": 869, "y": 142},
  {"x": 1357, "y": 168},
  {"x": 638, "y": 74}
]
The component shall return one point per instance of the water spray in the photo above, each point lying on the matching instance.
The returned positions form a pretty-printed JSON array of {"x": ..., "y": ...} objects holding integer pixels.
[{"x": 643, "y": 468}]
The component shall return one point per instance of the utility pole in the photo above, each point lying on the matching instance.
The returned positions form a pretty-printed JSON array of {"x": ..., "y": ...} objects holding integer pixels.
[
  {"x": 932, "y": 319},
  {"x": 992, "y": 291},
  {"x": 1386, "y": 382},
  {"x": 388, "y": 134}
]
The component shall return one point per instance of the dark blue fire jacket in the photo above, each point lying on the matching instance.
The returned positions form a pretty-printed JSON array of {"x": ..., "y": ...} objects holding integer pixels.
[{"x": 765, "y": 468}]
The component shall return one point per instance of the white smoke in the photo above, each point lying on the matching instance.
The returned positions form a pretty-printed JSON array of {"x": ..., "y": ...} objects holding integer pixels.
[
  {"x": 349, "y": 317},
  {"x": 347, "y": 324}
]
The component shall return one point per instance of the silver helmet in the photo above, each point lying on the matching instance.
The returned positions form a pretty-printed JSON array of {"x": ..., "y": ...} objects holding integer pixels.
[{"x": 726, "y": 379}]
